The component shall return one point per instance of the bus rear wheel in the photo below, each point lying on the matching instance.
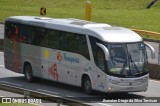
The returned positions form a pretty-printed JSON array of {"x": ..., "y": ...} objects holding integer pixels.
[
  {"x": 28, "y": 73},
  {"x": 87, "y": 86}
]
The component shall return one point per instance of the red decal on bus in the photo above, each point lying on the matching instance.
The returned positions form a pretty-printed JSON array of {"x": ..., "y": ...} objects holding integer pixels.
[{"x": 53, "y": 71}]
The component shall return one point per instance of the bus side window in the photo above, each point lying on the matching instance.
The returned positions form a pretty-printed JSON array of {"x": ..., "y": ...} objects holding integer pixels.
[
  {"x": 82, "y": 45},
  {"x": 64, "y": 41},
  {"x": 73, "y": 42},
  {"x": 39, "y": 37},
  {"x": 26, "y": 34},
  {"x": 10, "y": 31},
  {"x": 68, "y": 42},
  {"x": 52, "y": 38}
]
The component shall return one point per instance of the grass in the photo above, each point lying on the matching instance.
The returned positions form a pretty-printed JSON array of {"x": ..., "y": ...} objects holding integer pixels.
[{"x": 126, "y": 13}]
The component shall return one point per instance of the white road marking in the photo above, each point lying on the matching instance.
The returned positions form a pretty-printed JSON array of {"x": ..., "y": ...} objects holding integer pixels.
[
  {"x": 104, "y": 104},
  {"x": 1, "y": 65},
  {"x": 155, "y": 81},
  {"x": 47, "y": 91},
  {"x": 10, "y": 83}
]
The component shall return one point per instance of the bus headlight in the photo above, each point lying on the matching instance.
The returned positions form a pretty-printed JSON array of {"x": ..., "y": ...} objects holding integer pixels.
[{"x": 109, "y": 88}]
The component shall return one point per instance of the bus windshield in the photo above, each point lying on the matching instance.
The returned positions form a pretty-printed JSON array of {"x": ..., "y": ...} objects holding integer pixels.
[{"x": 127, "y": 59}]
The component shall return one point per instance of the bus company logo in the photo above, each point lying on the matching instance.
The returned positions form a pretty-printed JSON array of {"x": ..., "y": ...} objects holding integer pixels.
[
  {"x": 70, "y": 59},
  {"x": 59, "y": 56}
]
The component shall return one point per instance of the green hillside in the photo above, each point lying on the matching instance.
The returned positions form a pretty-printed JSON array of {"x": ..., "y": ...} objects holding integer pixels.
[{"x": 126, "y": 13}]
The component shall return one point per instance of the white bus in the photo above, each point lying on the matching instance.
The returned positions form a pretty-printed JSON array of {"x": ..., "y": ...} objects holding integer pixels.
[{"x": 90, "y": 55}]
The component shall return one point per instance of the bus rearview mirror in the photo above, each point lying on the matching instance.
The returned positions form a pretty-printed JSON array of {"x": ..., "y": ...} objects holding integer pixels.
[
  {"x": 105, "y": 50},
  {"x": 151, "y": 49}
]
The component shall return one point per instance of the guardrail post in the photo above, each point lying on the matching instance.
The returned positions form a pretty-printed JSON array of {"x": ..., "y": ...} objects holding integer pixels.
[
  {"x": 26, "y": 94},
  {"x": 59, "y": 101}
]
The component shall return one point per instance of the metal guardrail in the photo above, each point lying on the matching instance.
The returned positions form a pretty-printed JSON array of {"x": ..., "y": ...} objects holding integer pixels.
[
  {"x": 43, "y": 96},
  {"x": 1, "y": 22},
  {"x": 148, "y": 33},
  {"x": 144, "y": 32}
]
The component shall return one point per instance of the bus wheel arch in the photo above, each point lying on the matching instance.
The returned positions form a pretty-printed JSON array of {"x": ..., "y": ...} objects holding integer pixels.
[
  {"x": 27, "y": 70},
  {"x": 86, "y": 84}
]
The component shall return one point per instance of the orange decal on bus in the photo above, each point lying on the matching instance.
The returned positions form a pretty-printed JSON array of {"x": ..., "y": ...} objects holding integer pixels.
[{"x": 59, "y": 56}]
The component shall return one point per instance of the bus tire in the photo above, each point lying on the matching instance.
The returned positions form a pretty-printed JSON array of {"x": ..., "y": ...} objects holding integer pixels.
[
  {"x": 87, "y": 86},
  {"x": 28, "y": 73}
]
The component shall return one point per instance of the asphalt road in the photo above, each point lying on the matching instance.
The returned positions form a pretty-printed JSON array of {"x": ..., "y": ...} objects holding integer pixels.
[{"x": 58, "y": 89}]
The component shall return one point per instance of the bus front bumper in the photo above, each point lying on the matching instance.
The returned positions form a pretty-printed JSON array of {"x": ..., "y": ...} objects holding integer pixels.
[
  {"x": 128, "y": 84},
  {"x": 130, "y": 88}
]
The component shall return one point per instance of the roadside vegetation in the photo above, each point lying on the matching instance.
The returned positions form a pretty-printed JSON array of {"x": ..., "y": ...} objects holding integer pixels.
[{"x": 126, "y": 13}]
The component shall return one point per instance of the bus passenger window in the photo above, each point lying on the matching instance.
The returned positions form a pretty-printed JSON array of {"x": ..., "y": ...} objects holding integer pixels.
[
  {"x": 52, "y": 38},
  {"x": 10, "y": 29},
  {"x": 82, "y": 46},
  {"x": 39, "y": 37}
]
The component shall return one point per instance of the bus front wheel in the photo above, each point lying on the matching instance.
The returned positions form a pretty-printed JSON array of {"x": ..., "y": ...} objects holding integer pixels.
[
  {"x": 87, "y": 85},
  {"x": 28, "y": 73}
]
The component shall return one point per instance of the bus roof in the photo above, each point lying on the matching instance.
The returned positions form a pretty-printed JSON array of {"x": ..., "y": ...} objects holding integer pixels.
[{"x": 104, "y": 32}]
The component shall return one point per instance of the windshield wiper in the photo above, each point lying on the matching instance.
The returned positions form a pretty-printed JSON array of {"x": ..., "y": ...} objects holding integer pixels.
[{"x": 131, "y": 60}]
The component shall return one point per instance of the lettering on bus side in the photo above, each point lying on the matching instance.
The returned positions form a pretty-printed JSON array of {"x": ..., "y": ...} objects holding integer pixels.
[
  {"x": 70, "y": 59},
  {"x": 64, "y": 57}
]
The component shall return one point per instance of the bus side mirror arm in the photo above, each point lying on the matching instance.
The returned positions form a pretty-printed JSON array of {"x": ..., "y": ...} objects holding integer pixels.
[
  {"x": 152, "y": 50},
  {"x": 105, "y": 50}
]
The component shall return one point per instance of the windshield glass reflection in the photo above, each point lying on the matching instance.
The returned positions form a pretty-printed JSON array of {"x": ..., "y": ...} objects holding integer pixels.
[{"x": 127, "y": 59}]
